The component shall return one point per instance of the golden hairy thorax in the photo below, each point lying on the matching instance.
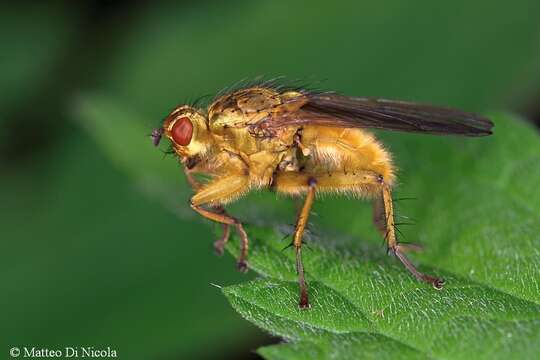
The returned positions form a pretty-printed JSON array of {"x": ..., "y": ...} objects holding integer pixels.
[{"x": 303, "y": 150}]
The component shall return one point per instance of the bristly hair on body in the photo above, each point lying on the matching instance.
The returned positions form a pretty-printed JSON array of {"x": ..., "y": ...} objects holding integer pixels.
[{"x": 278, "y": 84}]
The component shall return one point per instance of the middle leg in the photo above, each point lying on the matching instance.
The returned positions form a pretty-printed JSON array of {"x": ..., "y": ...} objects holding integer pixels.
[{"x": 297, "y": 241}]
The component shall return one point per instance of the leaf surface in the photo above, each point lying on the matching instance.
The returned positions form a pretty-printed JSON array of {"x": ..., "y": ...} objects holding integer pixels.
[{"x": 478, "y": 216}]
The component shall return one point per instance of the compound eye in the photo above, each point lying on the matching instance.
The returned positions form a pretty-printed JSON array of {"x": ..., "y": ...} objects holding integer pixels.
[{"x": 182, "y": 131}]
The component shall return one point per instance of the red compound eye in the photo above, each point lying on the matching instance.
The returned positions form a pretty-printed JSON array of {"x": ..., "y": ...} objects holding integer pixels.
[{"x": 182, "y": 131}]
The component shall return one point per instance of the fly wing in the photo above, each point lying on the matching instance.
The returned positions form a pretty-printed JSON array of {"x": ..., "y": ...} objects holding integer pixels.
[{"x": 340, "y": 111}]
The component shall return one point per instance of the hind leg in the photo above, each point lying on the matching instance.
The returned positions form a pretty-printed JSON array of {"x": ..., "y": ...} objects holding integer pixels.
[
  {"x": 379, "y": 220},
  {"x": 399, "y": 249}
]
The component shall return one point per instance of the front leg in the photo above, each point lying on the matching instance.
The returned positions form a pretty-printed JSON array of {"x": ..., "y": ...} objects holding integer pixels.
[
  {"x": 219, "y": 245},
  {"x": 216, "y": 193}
]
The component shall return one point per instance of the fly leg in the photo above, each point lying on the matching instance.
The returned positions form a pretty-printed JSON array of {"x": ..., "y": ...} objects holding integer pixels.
[
  {"x": 224, "y": 189},
  {"x": 301, "y": 223},
  {"x": 295, "y": 183},
  {"x": 399, "y": 249},
  {"x": 219, "y": 245},
  {"x": 363, "y": 183},
  {"x": 379, "y": 217},
  {"x": 379, "y": 220}
]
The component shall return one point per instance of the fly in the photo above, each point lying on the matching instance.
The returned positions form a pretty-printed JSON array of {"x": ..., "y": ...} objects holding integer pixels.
[{"x": 301, "y": 143}]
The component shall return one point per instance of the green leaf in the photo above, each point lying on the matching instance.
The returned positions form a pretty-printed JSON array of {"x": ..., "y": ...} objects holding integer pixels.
[
  {"x": 477, "y": 215},
  {"x": 479, "y": 219}
]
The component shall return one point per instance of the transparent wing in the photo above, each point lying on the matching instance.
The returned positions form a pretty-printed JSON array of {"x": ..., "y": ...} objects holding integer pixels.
[{"x": 341, "y": 111}]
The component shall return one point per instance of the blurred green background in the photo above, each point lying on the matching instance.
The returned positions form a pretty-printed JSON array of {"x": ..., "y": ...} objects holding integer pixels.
[{"x": 90, "y": 254}]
